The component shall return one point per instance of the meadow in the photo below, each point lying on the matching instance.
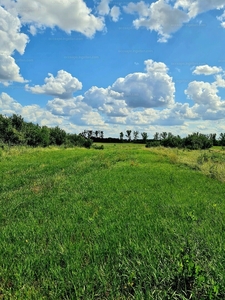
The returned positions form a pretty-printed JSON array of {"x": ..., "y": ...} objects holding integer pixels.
[{"x": 125, "y": 222}]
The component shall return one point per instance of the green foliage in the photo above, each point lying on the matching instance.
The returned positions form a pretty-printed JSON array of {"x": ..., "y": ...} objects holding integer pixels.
[
  {"x": 97, "y": 147},
  {"x": 144, "y": 137},
  {"x": 153, "y": 144},
  {"x": 15, "y": 131},
  {"x": 197, "y": 141}
]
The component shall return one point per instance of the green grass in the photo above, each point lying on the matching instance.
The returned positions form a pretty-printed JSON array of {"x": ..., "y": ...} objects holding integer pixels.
[{"x": 125, "y": 222}]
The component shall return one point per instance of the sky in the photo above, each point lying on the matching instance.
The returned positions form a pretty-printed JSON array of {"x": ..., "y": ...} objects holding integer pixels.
[{"x": 147, "y": 66}]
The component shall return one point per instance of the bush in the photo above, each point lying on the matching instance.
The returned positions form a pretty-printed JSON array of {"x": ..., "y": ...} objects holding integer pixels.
[
  {"x": 98, "y": 147},
  {"x": 87, "y": 143},
  {"x": 153, "y": 144}
]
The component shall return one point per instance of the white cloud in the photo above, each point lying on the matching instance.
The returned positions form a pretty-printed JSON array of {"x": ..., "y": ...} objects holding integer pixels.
[
  {"x": 203, "y": 93},
  {"x": 11, "y": 39},
  {"x": 69, "y": 15},
  {"x": 206, "y": 70},
  {"x": 9, "y": 71},
  {"x": 115, "y": 13},
  {"x": 8, "y": 105},
  {"x": 62, "y": 86},
  {"x": 103, "y": 7},
  {"x": 155, "y": 88},
  {"x": 167, "y": 16},
  {"x": 195, "y": 7},
  {"x": 106, "y": 101},
  {"x": 158, "y": 16},
  {"x": 208, "y": 105}
]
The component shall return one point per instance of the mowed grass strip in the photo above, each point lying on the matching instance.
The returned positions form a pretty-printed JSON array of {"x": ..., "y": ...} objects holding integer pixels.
[{"x": 118, "y": 223}]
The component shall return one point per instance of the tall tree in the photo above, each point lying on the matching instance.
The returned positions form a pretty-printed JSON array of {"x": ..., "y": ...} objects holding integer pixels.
[
  {"x": 121, "y": 136},
  {"x": 135, "y": 134},
  {"x": 144, "y": 136},
  {"x": 156, "y": 136},
  {"x": 128, "y": 135}
]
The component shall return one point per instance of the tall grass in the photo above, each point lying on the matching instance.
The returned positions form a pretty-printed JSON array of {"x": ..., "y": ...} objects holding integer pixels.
[{"x": 122, "y": 223}]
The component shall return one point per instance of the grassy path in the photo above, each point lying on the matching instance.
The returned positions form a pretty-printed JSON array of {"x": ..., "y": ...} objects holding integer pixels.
[{"x": 122, "y": 223}]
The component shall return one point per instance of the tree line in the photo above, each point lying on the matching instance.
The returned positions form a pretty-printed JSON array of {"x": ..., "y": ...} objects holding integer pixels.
[{"x": 15, "y": 131}]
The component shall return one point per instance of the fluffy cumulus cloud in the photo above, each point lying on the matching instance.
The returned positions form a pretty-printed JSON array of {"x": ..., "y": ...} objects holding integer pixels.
[
  {"x": 70, "y": 15},
  {"x": 9, "y": 70},
  {"x": 195, "y": 7},
  {"x": 158, "y": 16},
  {"x": 62, "y": 86},
  {"x": 207, "y": 70},
  {"x": 208, "y": 104},
  {"x": 8, "y": 105},
  {"x": 155, "y": 88},
  {"x": 167, "y": 16},
  {"x": 106, "y": 101},
  {"x": 31, "y": 113},
  {"x": 11, "y": 39}
]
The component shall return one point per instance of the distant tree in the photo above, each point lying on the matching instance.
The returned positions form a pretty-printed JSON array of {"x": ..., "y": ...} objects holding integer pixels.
[
  {"x": 32, "y": 134},
  {"x": 196, "y": 141},
  {"x": 135, "y": 134},
  {"x": 222, "y": 139},
  {"x": 45, "y": 136},
  {"x": 156, "y": 136},
  {"x": 212, "y": 137},
  {"x": 144, "y": 137},
  {"x": 163, "y": 135},
  {"x": 96, "y": 133},
  {"x": 128, "y": 135},
  {"x": 57, "y": 136},
  {"x": 121, "y": 136},
  {"x": 89, "y": 134},
  {"x": 101, "y": 134},
  {"x": 17, "y": 122}
]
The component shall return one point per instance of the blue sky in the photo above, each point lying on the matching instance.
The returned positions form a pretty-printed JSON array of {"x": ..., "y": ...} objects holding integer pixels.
[{"x": 149, "y": 66}]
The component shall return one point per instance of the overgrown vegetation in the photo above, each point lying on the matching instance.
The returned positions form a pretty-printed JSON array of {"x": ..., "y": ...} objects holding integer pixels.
[
  {"x": 15, "y": 131},
  {"x": 193, "y": 141},
  {"x": 124, "y": 223}
]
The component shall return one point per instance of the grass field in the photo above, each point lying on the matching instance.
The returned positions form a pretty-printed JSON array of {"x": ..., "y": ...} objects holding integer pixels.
[{"x": 126, "y": 222}]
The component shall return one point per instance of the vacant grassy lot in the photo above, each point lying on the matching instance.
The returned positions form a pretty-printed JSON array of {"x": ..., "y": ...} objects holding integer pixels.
[{"x": 125, "y": 222}]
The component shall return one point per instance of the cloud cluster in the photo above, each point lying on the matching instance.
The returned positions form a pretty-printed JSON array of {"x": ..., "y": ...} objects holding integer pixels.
[
  {"x": 158, "y": 16},
  {"x": 72, "y": 15},
  {"x": 138, "y": 100},
  {"x": 207, "y": 70},
  {"x": 154, "y": 88},
  {"x": 195, "y": 7},
  {"x": 167, "y": 16},
  {"x": 62, "y": 86},
  {"x": 11, "y": 39},
  {"x": 104, "y": 9}
]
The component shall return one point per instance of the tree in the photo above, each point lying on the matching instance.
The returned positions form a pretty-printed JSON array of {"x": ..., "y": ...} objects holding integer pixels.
[
  {"x": 144, "y": 136},
  {"x": 128, "y": 135},
  {"x": 57, "y": 136},
  {"x": 101, "y": 134},
  {"x": 135, "y": 134},
  {"x": 212, "y": 137},
  {"x": 163, "y": 135},
  {"x": 17, "y": 122},
  {"x": 156, "y": 136},
  {"x": 96, "y": 133},
  {"x": 121, "y": 136},
  {"x": 222, "y": 139}
]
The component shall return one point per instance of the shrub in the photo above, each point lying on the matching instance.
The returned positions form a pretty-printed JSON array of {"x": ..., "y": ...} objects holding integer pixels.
[{"x": 98, "y": 147}]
